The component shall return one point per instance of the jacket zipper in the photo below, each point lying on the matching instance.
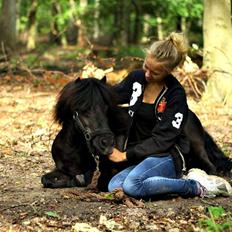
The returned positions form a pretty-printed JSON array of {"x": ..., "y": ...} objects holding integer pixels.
[
  {"x": 126, "y": 141},
  {"x": 182, "y": 157},
  {"x": 125, "y": 144},
  {"x": 162, "y": 94}
]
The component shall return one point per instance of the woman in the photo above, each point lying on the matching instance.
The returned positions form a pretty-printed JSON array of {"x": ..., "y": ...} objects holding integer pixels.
[{"x": 158, "y": 111}]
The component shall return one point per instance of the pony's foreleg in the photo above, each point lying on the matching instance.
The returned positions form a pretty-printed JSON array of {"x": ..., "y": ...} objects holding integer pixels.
[{"x": 57, "y": 179}]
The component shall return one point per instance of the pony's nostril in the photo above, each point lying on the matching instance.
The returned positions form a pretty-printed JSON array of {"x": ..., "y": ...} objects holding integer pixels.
[
  {"x": 104, "y": 142},
  {"x": 104, "y": 145}
]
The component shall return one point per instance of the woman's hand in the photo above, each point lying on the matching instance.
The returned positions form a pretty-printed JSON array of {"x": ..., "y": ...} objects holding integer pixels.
[{"x": 117, "y": 156}]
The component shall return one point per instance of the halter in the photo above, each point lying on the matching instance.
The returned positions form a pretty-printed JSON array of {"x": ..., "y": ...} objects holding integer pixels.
[
  {"x": 88, "y": 135},
  {"x": 78, "y": 123}
]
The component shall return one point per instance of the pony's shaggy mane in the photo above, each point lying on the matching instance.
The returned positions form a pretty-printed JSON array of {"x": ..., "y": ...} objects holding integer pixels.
[{"x": 82, "y": 94}]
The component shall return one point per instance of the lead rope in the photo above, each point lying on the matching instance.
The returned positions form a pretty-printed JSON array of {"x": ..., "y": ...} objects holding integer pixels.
[
  {"x": 87, "y": 135},
  {"x": 96, "y": 175}
]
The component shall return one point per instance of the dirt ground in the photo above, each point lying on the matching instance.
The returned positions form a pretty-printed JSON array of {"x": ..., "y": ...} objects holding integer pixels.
[{"x": 27, "y": 131}]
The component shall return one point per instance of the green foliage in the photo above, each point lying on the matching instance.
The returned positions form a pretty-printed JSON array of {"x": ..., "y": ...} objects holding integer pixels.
[
  {"x": 23, "y": 19},
  {"x": 109, "y": 196},
  {"x": 218, "y": 220},
  {"x": 108, "y": 15},
  {"x": 52, "y": 214},
  {"x": 171, "y": 12},
  {"x": 226, "y": 150},
  {"x": 30, "y": 59},
  {"x": 185, "y": 8},
  {"x": 135, "y": 51}
]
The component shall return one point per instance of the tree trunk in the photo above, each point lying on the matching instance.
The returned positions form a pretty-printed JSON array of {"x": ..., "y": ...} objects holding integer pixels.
[
  {"x": 127, "y": 20},
  {"x": 72, "y": 29},
  {"x": 82, "y": 37},
  {"x": 8, "y": 26},
  {"x": 96, "y": 30},
  {"x": 54, "y": 29},
  {"x": 138, "y": 24},
  {"x": 18, "y": 4},
  {"x": 159, "y": 28},
  {"x": 122, "y": 23},
  {"x": 217, "y": 30},
  {"x": 183, "y": 25},
  {"x": 146, "y": 27},
  {"x": 32, "y": 28}
]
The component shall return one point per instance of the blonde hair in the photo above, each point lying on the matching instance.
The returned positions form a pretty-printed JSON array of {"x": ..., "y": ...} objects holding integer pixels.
[{"x": 172, "y": 50}]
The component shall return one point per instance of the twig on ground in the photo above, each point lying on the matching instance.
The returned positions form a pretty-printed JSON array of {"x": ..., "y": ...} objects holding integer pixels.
[{"x": 209, "y": 203}]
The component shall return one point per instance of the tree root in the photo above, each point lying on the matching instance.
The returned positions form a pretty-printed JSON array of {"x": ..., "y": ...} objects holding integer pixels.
[{"x": 130, "y": 202}]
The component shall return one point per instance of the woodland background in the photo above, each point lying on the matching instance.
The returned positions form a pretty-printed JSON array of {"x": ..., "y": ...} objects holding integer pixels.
[
  {"x": 46, "y": 43},
  {"x": 35, "y": 29}
]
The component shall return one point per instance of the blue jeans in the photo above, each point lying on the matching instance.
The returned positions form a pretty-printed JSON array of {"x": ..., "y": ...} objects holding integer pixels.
[{"x": 153, "y": 176}]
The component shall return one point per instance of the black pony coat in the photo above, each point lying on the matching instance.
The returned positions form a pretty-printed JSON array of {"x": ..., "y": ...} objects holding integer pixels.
[{"x": 97, "y": 107}]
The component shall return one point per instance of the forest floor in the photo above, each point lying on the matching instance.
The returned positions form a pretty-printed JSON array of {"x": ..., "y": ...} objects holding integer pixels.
[{"x": 27, "y": 131}]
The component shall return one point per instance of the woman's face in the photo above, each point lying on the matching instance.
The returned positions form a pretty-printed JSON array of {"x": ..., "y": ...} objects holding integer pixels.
[{"x": 154, "y": 70}]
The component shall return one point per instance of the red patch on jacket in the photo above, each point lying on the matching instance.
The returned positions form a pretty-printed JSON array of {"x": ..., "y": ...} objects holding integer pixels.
[{"x": 162, "y": 105}]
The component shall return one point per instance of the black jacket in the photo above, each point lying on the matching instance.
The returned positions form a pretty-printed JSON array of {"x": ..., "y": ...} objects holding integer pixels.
[{"x": 171, "y": 111}]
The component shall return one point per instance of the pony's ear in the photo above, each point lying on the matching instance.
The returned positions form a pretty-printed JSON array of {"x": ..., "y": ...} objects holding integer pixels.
[
  {"x": 78, "y": 79},
  {"x": 103, "y": 79}
]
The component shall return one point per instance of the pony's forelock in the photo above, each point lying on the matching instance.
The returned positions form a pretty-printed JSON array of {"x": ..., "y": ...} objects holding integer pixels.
[{"x": 80, "y": 96}]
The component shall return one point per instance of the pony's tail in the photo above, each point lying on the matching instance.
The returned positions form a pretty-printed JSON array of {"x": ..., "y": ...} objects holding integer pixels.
[{"x": 217, "y": 157}]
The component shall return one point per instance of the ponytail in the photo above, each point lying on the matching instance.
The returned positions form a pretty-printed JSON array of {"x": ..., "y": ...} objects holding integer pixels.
[{"x": 172, "y": 50}]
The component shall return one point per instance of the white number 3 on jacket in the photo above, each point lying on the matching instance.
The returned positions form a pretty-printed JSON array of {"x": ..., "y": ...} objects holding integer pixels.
[{"x": 178, "y": 119}]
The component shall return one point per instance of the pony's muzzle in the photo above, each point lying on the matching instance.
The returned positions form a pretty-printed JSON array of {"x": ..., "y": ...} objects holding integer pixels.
[{"x": 104, "y": 144}]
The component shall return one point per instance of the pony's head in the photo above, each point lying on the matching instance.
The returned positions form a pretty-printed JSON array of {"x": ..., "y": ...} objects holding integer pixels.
[{"x": 86, "y": 104}]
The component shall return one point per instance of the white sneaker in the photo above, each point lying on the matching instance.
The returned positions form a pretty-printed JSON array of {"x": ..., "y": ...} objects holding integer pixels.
[{"x": 211, "y": 185}]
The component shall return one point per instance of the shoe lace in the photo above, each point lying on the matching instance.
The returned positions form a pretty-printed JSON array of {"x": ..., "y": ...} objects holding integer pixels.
[{"x": 205, "y": 193}]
